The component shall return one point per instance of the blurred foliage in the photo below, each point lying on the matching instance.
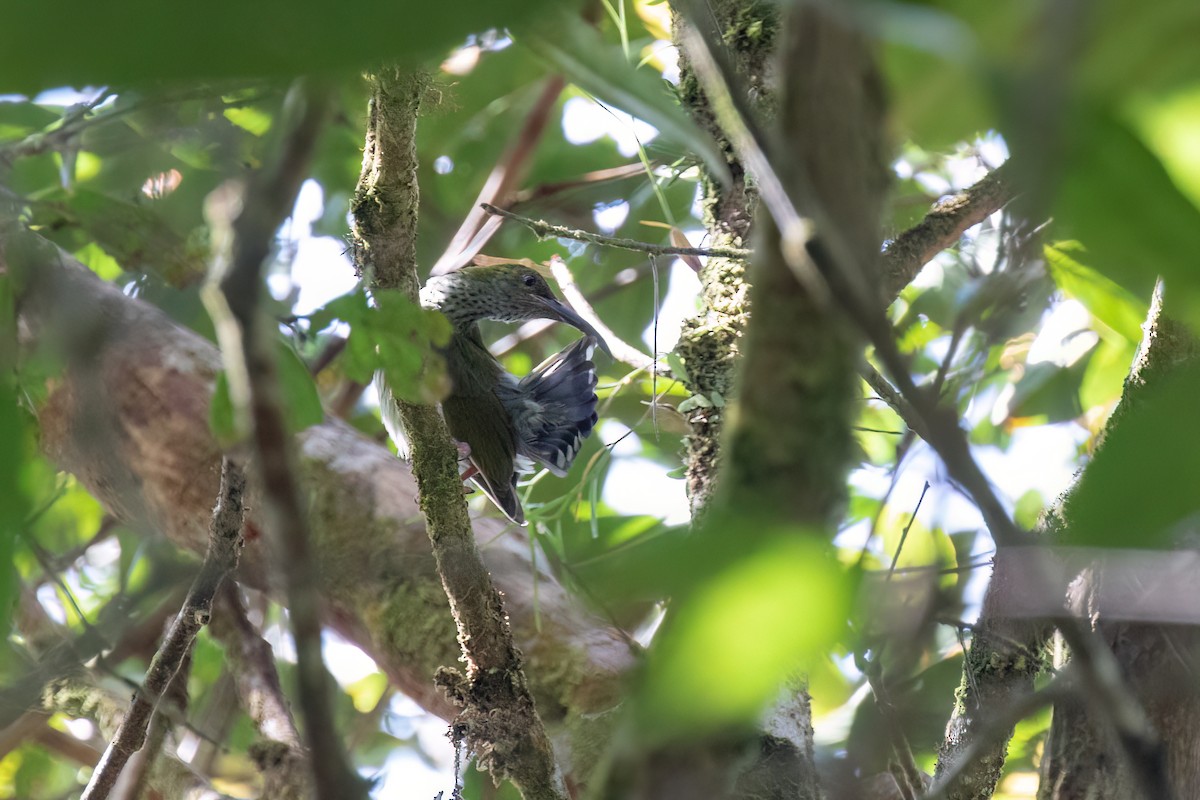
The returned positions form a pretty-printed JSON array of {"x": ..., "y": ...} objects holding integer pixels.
[{"x": 1028, "y": 333}]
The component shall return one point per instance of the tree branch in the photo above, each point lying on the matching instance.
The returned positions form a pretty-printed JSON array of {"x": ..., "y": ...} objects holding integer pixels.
[
  {"x": 224, "y": 542},
  {"x": 546, "y": 230},
  {"x": 942, "y": 227},
  {"x": 501, "y": 184},
  {"x": 499, "y": 721},
  {"x": 254, "y": 387},
  {"x": 903, "y": 257},
  {"x": 819, "y": 249},
  {"x": 621, "y": 350},
  {"x": 81, "y": 699},
  {"x": 708, "y": 342}
]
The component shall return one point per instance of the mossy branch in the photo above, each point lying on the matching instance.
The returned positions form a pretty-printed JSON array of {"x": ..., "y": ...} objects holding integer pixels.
[{"x": 498, "y": 721}]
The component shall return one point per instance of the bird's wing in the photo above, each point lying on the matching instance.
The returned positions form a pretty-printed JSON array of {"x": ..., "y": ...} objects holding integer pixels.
[
  {"x": 486, "y": 428},
  {"x": 553, "y": 408},
  {"x": 476, "y": 416}
]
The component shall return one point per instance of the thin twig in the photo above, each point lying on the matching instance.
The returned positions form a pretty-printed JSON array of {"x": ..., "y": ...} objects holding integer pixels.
[
  {"x": 280, "y": 757},
  {"x": 224, "y": 545},
  {"x": 545, "y": 190},
  {"x": 907, "y": 528},
  {"x": 59, "y": 134},
  {"x": 546, "y": 230},
  {"x": 252, "y": 664},
  {"x": 136, "y": 775}
]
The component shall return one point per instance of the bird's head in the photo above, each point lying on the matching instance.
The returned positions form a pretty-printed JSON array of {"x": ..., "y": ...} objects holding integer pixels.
[{"x": 504, "y": 293}]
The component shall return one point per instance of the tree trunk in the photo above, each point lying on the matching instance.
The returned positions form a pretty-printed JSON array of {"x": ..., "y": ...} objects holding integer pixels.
[{"x": 1159, "y": 662}]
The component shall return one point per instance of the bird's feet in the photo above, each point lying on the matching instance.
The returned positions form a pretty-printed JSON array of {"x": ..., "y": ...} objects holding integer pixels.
[{"x": 464, "y": 454}]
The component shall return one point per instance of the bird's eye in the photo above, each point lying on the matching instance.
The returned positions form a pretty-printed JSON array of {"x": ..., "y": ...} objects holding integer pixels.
[{"x": 529, "y": 280}]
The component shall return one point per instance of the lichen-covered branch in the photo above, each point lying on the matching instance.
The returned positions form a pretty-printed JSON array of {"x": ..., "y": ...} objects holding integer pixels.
[
  {"x": 787, "y": 455},
  {"x": 1007, "y": 653},
  {"x": 77, "y": 697},
  {"x": 709, "y": 342},
  {"x": 224, "y": 541},
  {"x": 1087, "y": 751},
  {"x": 499, "y": 721},
  {"x": 790, "y": 451}
]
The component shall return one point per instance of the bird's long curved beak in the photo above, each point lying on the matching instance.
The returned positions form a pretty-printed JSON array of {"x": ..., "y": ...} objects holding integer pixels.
[{"x": 556, "y": 309}]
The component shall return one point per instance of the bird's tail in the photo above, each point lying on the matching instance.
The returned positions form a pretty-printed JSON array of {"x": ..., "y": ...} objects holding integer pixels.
[{"x": 561, "y": 396}]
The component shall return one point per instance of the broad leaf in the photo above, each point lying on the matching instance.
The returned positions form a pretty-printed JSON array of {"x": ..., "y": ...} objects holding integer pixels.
[
  {"x": 148, "y": 42},
  {"x": 577, "y": 48}
]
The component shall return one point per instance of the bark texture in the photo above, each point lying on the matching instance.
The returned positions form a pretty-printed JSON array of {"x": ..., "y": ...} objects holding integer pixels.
[
  {"x": 708, "y": 344},
  {"x": 790, "y": 449},
  {"x": 1005, "y": 657},
  {"x": 1159, "y": 662},
  {"x": 160, "y": 470}
]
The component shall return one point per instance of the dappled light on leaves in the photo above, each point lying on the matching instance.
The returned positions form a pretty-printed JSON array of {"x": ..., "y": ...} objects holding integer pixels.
[{"x": 735, "y": 637}]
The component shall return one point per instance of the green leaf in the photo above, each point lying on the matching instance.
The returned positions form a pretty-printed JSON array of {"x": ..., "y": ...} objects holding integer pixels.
[
  {"x": 1118, "y": 200},
  {"x": 136, "y": 236},
  {"x": 220, "y": 413},
  {"x": 145, "y": 41},
  {"x": 1135, "y": 47},
  {"x": 1169, "y": 126},
  {"x": 1118, "y": 311},
  {"x": 678, "y": 369},
  {"x": 1141, "y": 484},
  {"x": 922, "y": 546},
  {"x": 15, "y": 446},
  {"x": 740, "y": 635},
  {"x": 1049, "y": 391},
  {"x": 250, "y": 119},
  {"x": 577, "y": 48},
  {"x": 302, "y": 404}
]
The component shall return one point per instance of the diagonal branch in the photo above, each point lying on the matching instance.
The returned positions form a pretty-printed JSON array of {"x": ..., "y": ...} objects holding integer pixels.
[
  {"x": 499, "y": 721},
  {"x": 501, "y": 184},
  {"x": 547, "y": 230},
  {"x": 622, "y": 351},
  {"x": 225, "y": 536},
  {"x": 280, "y": 757},
  {"x": 378, "y": 577},
  {"x": 904, "y": 256}
]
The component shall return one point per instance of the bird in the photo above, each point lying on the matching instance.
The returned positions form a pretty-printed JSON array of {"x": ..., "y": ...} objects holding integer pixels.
[{"x": 506, "y": 425}]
